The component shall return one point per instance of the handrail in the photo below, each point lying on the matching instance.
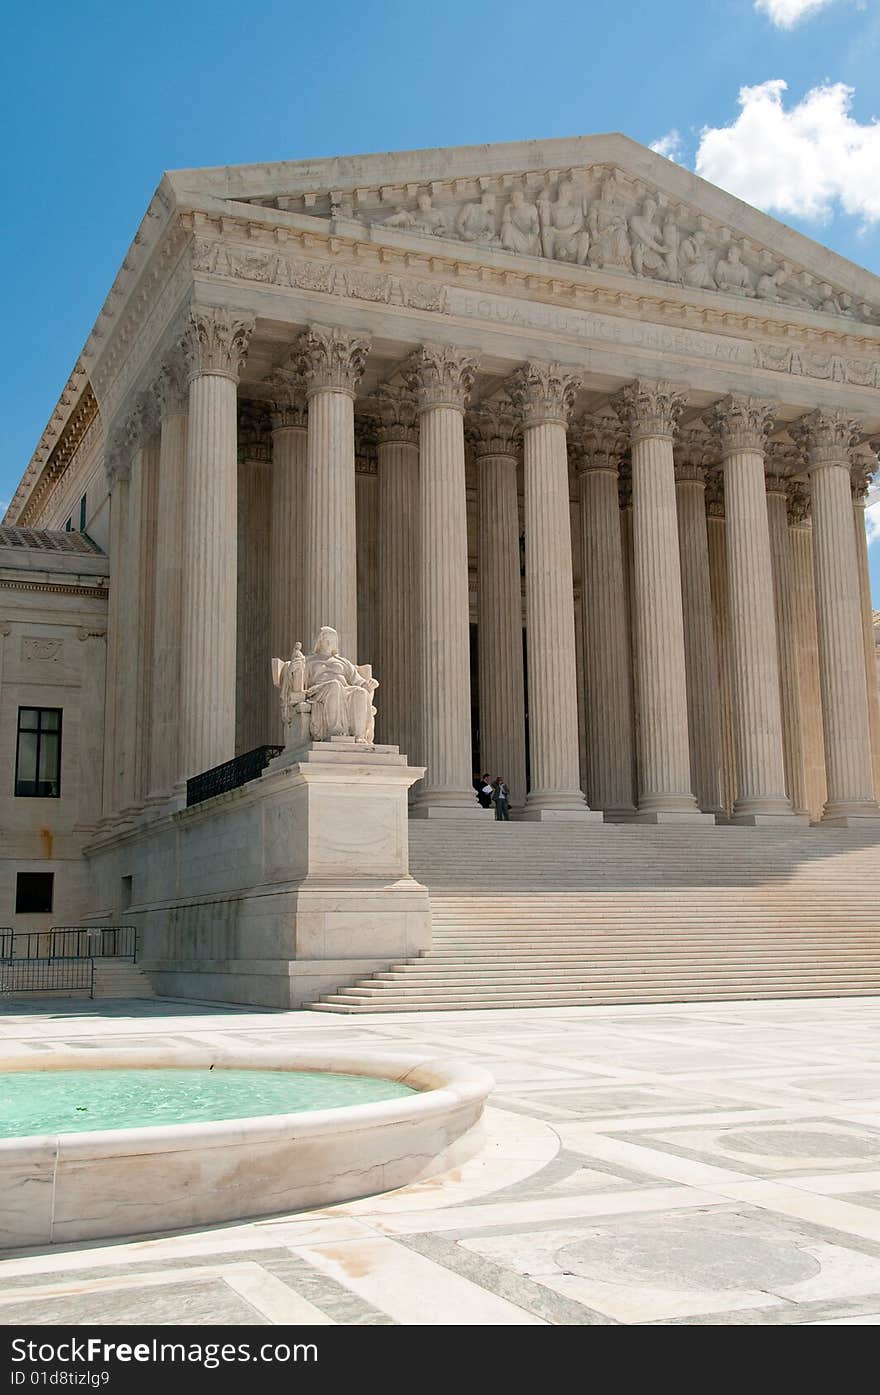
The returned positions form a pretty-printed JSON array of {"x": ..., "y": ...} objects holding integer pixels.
[
  {"x": 231, "y": 775},
  {"x": 70, "y": 942}
]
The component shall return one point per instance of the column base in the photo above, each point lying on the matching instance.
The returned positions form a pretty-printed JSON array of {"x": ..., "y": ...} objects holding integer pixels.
[
  {"x": 625, "y": 814},
  {"x": 449, "y": 811},
  {"x": 549, "y": 815},
  {"x": 851, "y": 816},
  {"x": 758, "y": 820},
  {"x": 549, "y": 806},
  {"x": 670, "y": 816}
]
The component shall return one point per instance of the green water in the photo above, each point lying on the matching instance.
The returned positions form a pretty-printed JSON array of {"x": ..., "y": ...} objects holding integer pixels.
[{"x": 76, "y": 1101}]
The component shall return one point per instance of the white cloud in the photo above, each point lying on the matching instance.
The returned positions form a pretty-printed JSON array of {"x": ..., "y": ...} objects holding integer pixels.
[
  {"x": 872, "y": 523},
  {"x": 785, "y": 14},
  {"x": 670, "y": 146},
  {"x": 808, "y": 161}
]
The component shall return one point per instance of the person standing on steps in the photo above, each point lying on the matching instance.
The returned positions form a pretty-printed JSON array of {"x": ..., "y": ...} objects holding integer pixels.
[
  {"x": 501, "y": 799},
  {"x": 485, "y": 792}
]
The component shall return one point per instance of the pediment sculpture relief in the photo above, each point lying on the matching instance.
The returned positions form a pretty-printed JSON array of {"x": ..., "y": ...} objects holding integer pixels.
[{"x": 595, "y": 217}]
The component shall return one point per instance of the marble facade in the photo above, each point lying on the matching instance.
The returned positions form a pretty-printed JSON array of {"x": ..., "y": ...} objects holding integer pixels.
[{"x": 558, "y": 389}]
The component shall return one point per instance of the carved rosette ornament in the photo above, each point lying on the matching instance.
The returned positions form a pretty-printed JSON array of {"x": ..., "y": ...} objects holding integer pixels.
[
  {"x": 599, "y": 445},
  {"x": 743, "y": 423},
  {"x": 216, "y": 341},
  {"x": 440, "y": 376},
  {"x": 649, "y": 408},
  {"x": 394, "y": 416},
  {"x": 544, "y": 392},
  {"x": 495, "y": 429},
  {"x": 331, "y": 359},
  {"x": 827, "y": 437}
]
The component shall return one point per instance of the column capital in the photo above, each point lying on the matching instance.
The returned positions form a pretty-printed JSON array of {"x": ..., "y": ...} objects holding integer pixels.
[
  {"x": 440, "y": 376},
  {"x": 742, "y": 423},
  {"x": 543, "y": 392},
  {"x": 170, "y": 387},
  {"x": 827, "y": 436},
  {"x": 625, "y": 485},
  {"x": 649, "y": 408},
  {"x": 288, "y": 404},
  {"x": 253, "y": 441},
  {"x": 799, "y": 504},
  {"x": 495, "y": 429},
  {"x": 216, "y": 341},
  {"x": 715, "y": 495},
  {"x": 118, "y": 450},
  {"x": 394, "y": 415},
  {"x": 331, "y": 359},
  {"x": 695, "y": 456},
  {"x": 861, "y": 473},
  {"x": 600, "y": 444}
]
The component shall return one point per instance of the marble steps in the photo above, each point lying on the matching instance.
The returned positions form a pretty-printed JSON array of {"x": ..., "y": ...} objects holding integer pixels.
[
  {"x": 120, "y": 978},
  {"x": 339, "y": 1003}
]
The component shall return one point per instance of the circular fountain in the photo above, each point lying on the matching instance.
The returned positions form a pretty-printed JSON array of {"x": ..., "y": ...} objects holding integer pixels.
[{"x": 104, "y": 1143}]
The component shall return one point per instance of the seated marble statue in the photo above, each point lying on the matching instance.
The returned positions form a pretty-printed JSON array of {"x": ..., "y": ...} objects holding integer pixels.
[{"x": 325, "y": 695}]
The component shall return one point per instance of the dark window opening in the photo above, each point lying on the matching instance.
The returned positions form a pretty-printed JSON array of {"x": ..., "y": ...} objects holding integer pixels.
[
  {"x": 126, "y": 893},
  {"x": 38, "y": 753},
  {"x": 82, "y": 514},
  {"x": 68, "y": 527},
  {"x": 34, "y": 892}
]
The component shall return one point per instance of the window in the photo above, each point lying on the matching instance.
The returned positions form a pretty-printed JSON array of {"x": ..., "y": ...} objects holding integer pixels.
[
  {"x": 38, "y": 756},
  {"x": 82, "y": 514},
  {"x": 68, "y": 527},
  {"x": 34, "y": 892}
]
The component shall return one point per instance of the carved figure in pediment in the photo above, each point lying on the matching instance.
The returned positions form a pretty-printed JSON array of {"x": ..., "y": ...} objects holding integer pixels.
[
  {"x": 649, "y": 250},
  {"x": 732, "y": 274},
  {"x": 695, "y": 259},
  {"x": 520, "y": 226},
  {"x": 476, "y": 221},
  {"x": 771, "y": 286},
  {"x": 672, "y": 243},
  {"x": 564, "y": 235},
  {"x": 424, "y": 219},
  {"x": 609, "y": 235}
]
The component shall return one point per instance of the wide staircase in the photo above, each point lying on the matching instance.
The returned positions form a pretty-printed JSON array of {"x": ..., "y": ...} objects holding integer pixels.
[{"x": 562, "y": 915}]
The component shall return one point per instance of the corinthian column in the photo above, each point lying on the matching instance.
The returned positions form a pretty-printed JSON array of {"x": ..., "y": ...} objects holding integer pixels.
[
  {"x": 216, "y": 342},
  {"x": 495, "y": 438},
  {"x": 287, "y": 529},
  {"x": 332, "y": 362},
  {"x": 607, "y": 668},
  {"x": 800, "y": 535},
  {"x": 256, "y": 721},
  {"x": 742, "y": 424},
  {"x": 441, "y": 378},
  {"x": 828, "y": 436},
  {"x": 171, "y": 395},
  {"x": 716, "y": 529},
  {"x": 544, "y": 393},
  {"x": 117, "y": 460},
  {"x": 781, "y": 467},
  {"x": 861, "y": 478},
  {"x": 651, "y": 412},
  {"x": 701, "y": 660},
  {"x": 398, "y": 661}
]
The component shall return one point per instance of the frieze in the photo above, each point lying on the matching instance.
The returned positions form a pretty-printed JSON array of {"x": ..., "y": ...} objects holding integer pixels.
[
  {"x": 273, "y": 268},
  {"x": 41, "y": 650}
]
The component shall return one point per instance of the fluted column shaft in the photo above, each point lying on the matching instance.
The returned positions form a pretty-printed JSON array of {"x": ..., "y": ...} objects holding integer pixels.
[
  {"x": 331, "y": 362},
  {"x": 651, "y": 411},
  {"x": 804, "y": 591},
  {"x": 716, "y": 529},
  {"x": 216, "y": 343},
  {"x": 848, "y": 765},
  {"x": 168, "y": 618},
  {"x": 609, "y": 735},
  {"x": 118, "y": 472},
  {"x": 742, "y": 425},
  {"x": 398, "y": 662},
  {"x": 255, "y": 722},
  {"x": 859, "y": 501},
  {"x": 287, "y": 543},
  {"x": 787, "y": 642},
  {"x": 499, "y": 625},
  {"x": 545, "y": 394},
  {"x": 701, "y": 662}
]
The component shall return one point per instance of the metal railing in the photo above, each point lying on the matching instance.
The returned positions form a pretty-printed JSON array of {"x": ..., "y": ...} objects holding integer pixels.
[
  {"x": 69, "y": 942},
  {"x": 47, "y": 975},
  {"x": 230, "y": 775}
]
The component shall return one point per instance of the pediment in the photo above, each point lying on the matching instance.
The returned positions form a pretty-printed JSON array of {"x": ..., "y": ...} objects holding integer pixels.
[{"x": 599, "y": 202}]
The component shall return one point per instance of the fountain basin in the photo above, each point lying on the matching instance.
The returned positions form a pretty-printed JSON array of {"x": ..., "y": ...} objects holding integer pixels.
[{"x": 64, "y": 1187}]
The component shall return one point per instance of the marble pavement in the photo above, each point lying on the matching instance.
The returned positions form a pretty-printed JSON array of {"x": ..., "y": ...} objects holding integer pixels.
[{"x": 708, "y": 1164}]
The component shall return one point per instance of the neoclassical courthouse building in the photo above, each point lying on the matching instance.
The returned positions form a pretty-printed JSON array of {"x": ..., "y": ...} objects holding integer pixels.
[{"x": 570, "y": 445}]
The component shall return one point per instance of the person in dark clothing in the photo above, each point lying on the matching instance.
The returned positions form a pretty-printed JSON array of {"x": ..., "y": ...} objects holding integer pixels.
[
  {"x": 485, "y": 790},
  {"x": 501, "y": 799}
]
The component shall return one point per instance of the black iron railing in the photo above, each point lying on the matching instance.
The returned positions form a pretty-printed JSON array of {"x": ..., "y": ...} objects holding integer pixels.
[
  {"x": 230, "y": 775},
  {"x": 47, "y": 975},
  {"x": 69, "y": 942}
]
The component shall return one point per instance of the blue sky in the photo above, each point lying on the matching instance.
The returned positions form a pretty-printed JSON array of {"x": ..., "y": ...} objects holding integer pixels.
[{"x": 98, "y": 99}]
